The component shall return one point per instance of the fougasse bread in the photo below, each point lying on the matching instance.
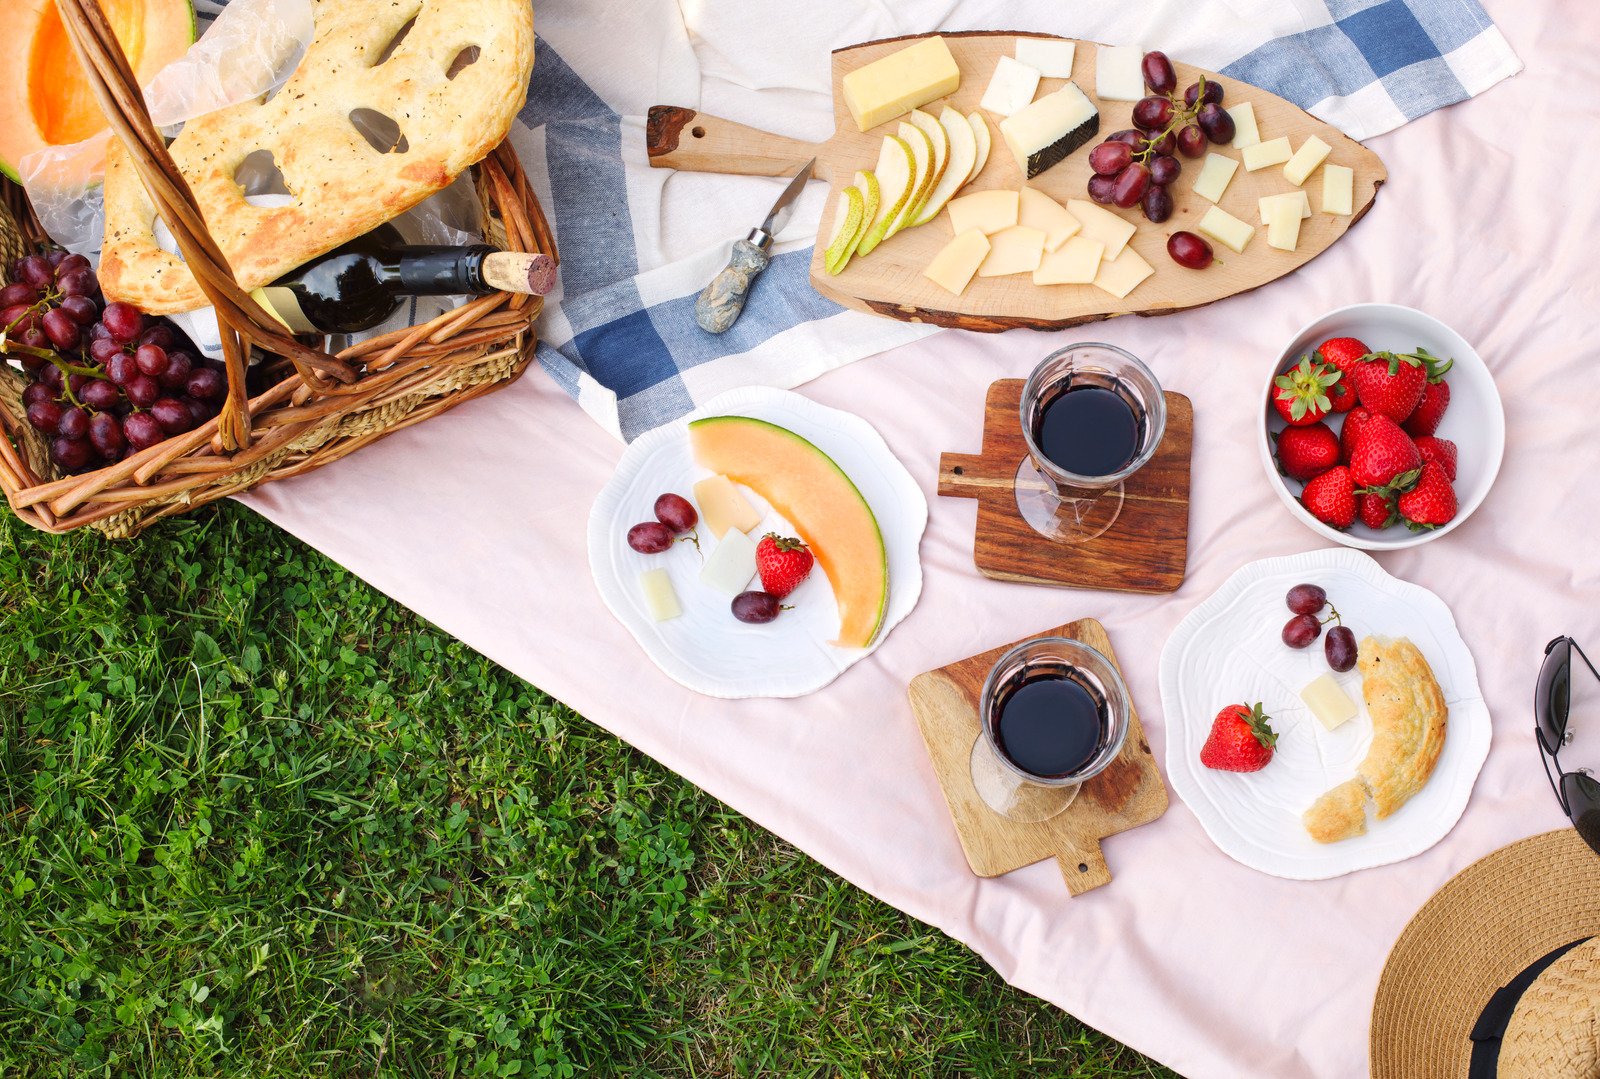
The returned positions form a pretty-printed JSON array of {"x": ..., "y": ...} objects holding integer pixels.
[
  {"x": 1409, "y": 716},
  {"x": 341, "y": 186}
]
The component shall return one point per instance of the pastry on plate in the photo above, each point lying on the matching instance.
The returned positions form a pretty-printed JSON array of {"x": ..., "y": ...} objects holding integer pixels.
[{"x": 1408, "y": 730}]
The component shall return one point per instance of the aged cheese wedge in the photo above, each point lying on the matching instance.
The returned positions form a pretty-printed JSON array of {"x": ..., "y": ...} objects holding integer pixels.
[
  {"x": 722, "y": 506},
  {"x": 1263, "y": 154},
  {"x": 1039, "y": 211},
  {"x": 1122, "y": 275},
  {"x": 1017, "y": 249},
  {"x": 1103, "y": 225},
  {"x": 958, "y": 260},
  {"x": 1045, "y": 132},
  {"x": 1328, "y": 702},
  {"x": 1011, "y": 87},
  {"x": 1215, "y": 175},
  {"x": 1245, "y": 131},
  {"x": 1305, "y": 203},
  {"x": 1075, "y": 262},
  {"x": 1283, "y": 222},
  {"x": 660, "y": 598},
  {"x": 1312, "y": 153},
  {"x": 902, "y": 81},
  {"x": 731, "y": 565},
  {"x": 1226, "y": 229},
  {"x": 1338, "y": 189},
  {"x": 1118, "y": 75},
  {"x": 986, "y": 211},
  {"x": 1050, "y": 56}
]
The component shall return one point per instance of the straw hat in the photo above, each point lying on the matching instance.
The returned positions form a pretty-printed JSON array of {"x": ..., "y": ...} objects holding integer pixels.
[{"x": 1499, "y": 921}]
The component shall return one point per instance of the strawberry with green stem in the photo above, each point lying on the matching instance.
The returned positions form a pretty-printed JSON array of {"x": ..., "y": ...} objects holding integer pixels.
[
  {"x": 1392, "y": 383},
  {"x": 1300, "y": 394},
  {"x": 1241, "y": 739},
  {"x": 782, "y": 563}
]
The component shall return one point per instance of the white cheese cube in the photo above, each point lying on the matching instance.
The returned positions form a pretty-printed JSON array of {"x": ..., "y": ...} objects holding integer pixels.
[
  {"x": 1103, "y": 225},
  {"x": 1283, "y": 222},
  {"x": 1122, "y": 275},
  {"x": 1215, "y": 175},
  {"x": 731, "y": 565},
  {"x": 1051, "y": 56},
  {"x": 660, "y": 599},
  {"x": 1263, "y": 154},
  {"x": 1039, "y": 211},
  {"x": 1017, "y": 249},
  {"x": 957, "y": 261},
  {"x": 1305, "y": 203},
  {"x": 1245, "y": 131},
  {"x": 1010, "y": 87},
  {"x": 1312, "y": 153},
  {"x": 1328, "y": 702},
  {"x": 1226, "y": 229},
  {"x": 986, "y": 211},
  {"x": 1118, "y": 74},
  {"x": 1075, "y": 262},
  {"x": 1338, "y": 190},
  {"x": 1045, "y": 132}
]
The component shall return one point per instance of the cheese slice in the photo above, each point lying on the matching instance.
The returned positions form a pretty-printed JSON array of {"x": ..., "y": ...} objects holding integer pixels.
[
  {"x": 1075, "y": 262},
  {"x": 1119, "y": 73},
  {"x": 1338, "y": 190},
  {"x": 1263, "y": 154},
  {"x": 1245, "y": 131},
  {"x": 1226, "y": 229},
  {"x": 1122, "y": 275},
  {"x": 722, "y": 506},
  {"x": 1215, "y": 175},
  {"x": 1045, "y": 132},
  {"x": 731, "y": 565},
  {"x": 1103, "y": 225},
  {"x": 986, "y": 211},
  {"x": 1017, "y": 249},
  {"x": 895, "y": 84},
  {"x": 660, "y": 598},
  {"x": 1039, "y": 211},
  {"x": 1305, "y": 203},
  {"x": 1312, "y": 153},
  {"x": 1328, "y": 702},
  {"x": 957, "y": 261},
  {"x": 1050, "y": 56},
  {"x": 1283, "y": 222},
  {"x": 1011, "y": 87}
]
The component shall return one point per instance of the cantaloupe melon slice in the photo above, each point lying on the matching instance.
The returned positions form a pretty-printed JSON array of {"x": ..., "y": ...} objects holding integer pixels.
[{"x": 815, "y": 496}]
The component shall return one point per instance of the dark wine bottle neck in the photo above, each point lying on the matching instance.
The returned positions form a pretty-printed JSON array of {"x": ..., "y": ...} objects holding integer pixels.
[{"x": 421, "y": 270}]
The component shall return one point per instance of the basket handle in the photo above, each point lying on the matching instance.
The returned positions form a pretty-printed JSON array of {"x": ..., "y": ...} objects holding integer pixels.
[{"x": 239, "y": 317}]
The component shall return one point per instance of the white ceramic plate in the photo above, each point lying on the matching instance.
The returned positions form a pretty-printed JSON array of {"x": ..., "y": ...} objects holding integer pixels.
[
  {"x": 1228, "y": 650},
  {"x": 1475, "y": 420},
  {"x": 706, "y": 648}
]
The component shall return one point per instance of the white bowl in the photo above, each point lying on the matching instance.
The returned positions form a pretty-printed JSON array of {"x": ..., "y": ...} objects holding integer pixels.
[{"x": 1475, "y": 420}]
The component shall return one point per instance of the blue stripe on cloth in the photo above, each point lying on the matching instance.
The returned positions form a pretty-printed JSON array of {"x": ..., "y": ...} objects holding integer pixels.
[{"x": 1389, "y": 37}]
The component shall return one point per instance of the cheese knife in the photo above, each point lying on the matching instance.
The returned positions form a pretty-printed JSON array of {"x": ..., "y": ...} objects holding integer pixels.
[{"x": 722, "y": 301}]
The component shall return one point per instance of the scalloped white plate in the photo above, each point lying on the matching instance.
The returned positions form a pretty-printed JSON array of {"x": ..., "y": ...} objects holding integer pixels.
[
  {"x": 1228, "y": 650},
  {"x": 706, "y": 648}
]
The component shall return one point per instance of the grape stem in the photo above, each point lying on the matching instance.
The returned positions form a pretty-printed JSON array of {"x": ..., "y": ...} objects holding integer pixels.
[{"x": 1182, "y": 116}]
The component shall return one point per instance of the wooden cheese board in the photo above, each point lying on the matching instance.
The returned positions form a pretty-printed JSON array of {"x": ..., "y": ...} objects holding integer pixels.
[
  {"x": 1128, "y": 793},
  {"x": 890, "y": 282}
]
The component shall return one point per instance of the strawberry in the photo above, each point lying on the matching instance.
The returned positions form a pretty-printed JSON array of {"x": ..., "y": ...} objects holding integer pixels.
[
  {"x": 1353, "y": 423},
  {"x": 1390, "y": 383},
  {"x": 1343, "y": 353},
  {"x": 782, "y": 563},
  {"x": 1300, "y": 394},
  {"x": 1241, "y": 740},
  {"x": 1375, "y": 510},
  {"x": 1430, "y": 410},
  {"x": 1440, "y": 450},
  {"x": 1383, "y": 455},
  {"x": 1431, "y": 503},
  {"x": 1331, "y": 498},
  {"x": 1306, "y": 452}
]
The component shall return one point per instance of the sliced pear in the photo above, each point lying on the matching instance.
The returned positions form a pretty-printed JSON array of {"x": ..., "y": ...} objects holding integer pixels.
[
  {"x": 980, "y": 135},
  {"x": 867, "y": 184},
  {"x": 846, "y": 226},
  {"x": 922, "y": 165},
  {"x": 963, "y": 151},
  {"x": 896, "y": 172},
  {"x": 941, "y": 159}
]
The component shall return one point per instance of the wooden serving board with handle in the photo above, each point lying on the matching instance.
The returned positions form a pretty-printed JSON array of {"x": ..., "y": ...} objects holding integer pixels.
[
  {"x": 889, "y": 281},
  {"x": 1128, "y": 793}
]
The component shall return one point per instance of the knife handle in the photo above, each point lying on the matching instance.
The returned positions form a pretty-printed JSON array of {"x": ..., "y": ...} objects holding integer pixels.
[{"x": 722, "y": 301}]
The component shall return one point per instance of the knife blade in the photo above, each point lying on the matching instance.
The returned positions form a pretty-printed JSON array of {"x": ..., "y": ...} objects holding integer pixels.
[{"x": 722, "y": 301}]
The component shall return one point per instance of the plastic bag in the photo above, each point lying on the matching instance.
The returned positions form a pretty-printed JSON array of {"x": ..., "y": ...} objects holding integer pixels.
[{"x": 251, "y": 49}]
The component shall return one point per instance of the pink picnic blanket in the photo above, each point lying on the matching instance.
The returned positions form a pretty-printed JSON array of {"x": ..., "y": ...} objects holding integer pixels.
[{"x": 1489, "y": 221}]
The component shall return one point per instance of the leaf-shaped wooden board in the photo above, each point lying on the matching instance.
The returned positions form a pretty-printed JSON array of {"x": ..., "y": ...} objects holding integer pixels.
[{"x": 889, "y": 281}]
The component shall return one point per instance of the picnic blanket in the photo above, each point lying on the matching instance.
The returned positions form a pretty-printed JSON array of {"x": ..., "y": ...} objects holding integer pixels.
[
  {"x": 476, "y": 520},
  {"x": 639, "y": 243}
]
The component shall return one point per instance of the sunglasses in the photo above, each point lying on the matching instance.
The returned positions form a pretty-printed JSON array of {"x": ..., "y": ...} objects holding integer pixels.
[{"x": 1578, "y": 792}]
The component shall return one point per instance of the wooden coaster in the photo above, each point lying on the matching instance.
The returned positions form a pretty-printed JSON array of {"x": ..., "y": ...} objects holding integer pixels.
[
  {"x": 1145, "y": 550},
  {"x": 1127, "y": 794}
]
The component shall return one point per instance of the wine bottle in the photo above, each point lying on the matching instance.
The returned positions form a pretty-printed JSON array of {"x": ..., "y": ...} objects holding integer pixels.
[{"x": 361, "y": 284}]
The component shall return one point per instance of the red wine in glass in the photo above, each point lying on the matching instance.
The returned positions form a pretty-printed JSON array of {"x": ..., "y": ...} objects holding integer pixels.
[
  {"x": 1089, "y": 428},
  {"x": 1050, "y": 722}
]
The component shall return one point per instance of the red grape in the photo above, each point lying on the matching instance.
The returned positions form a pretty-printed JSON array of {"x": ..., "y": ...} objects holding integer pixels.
[
  {"x": 121, "y": 369},
  {"x": 142, "y": 430},
  {"x": 1156, "y": 204},
  {"x": 152, "y": 360},
  {"x": 650, "y": 537},
  {"x": 100, "y": 394},
  {"x": 1110, "y": 158},
  {"x": 81, "y": 309},
  {"x": 1189, "y": 250},
  {"x": 74, "y": 423},
  {"x": 1301, "y": 630},
  {"x": 125, "y": 321},
  {"x": 73, "y": 264},
  {"x": 1340, "y": 648},
  {"x": 1100, "y": 189},
  {"x": 1216, "y": 122},
  {"x": 1191, "y": 140},
  {"x": 35, "y": 391},
  {"x": 1158, "y": 73},
  {"x": 206, "y": 384},
  {"x": 77, "y": 382},
  {"x": 35, "y": 271},
  {"x": 173, "y": 415},
  {"x": 756, "y": 608},
  {"x": 18, "y": 294},
  {"x": 1152, "y": 113},
  {"x": 1212, "y": 94},
  {"x": 1165, "y": 144},
  {"x": 160, "y": 335},
  {"x": 1164, "y": 169},
  {"x": 71, "y": 454},
  {"x": 176, "y": 376},
  {"x": 142, "y": 390},
  {"x": 33, "y": 337},
  {"x": 45, "y": 415},
  {"x": 105, "y": 435},
  {"x": 676, "y": 512},
  {"x": 1306, "y": 598},
  {"x": 81, "y": 283},
  {"x": 62, "y": 330},
  {"x": 54, "y": 257},
  {"x": 1128, "y": 135},
  {"x": 1129, "y": 185},
  {"x": 103, "y": 349},
  {"x": 51, "y": 376},
  {"x": 17, "y": 318}
]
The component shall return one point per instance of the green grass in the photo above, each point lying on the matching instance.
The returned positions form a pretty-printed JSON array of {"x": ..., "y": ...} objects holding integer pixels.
[{"x": 258, "y": 820}]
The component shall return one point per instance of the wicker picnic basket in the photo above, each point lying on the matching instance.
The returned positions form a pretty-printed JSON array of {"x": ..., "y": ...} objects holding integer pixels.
[{"x": 322, "y": 407}]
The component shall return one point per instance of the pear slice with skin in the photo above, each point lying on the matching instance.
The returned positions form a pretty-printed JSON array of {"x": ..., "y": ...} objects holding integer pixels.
[
  {"x": 867, "y": 184},
  {"x": 896, "y": 171},
  {"x": 980, "y": 134},
  {"x": 963, "y": 151},
  {"x": 941, "y": 159},
  {"x": 846, "y": 227},
  {"x": 922, "y": 165}
]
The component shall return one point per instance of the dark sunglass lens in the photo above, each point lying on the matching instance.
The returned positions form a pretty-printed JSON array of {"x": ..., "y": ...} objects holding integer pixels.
[
  {"x": 1553, "y": 694},
  {"x": 1583, "y": 799}
]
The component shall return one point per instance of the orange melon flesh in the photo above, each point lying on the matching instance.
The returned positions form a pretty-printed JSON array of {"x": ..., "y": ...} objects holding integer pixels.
[
  {"x": 44, "y": 98},
  {"x": 814, "y": 495}
]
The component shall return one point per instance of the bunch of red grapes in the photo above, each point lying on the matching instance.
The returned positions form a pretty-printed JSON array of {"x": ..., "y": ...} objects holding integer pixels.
[
  {"x": 1136, "y": 166},
  {"x": 105, "y": 380}
]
